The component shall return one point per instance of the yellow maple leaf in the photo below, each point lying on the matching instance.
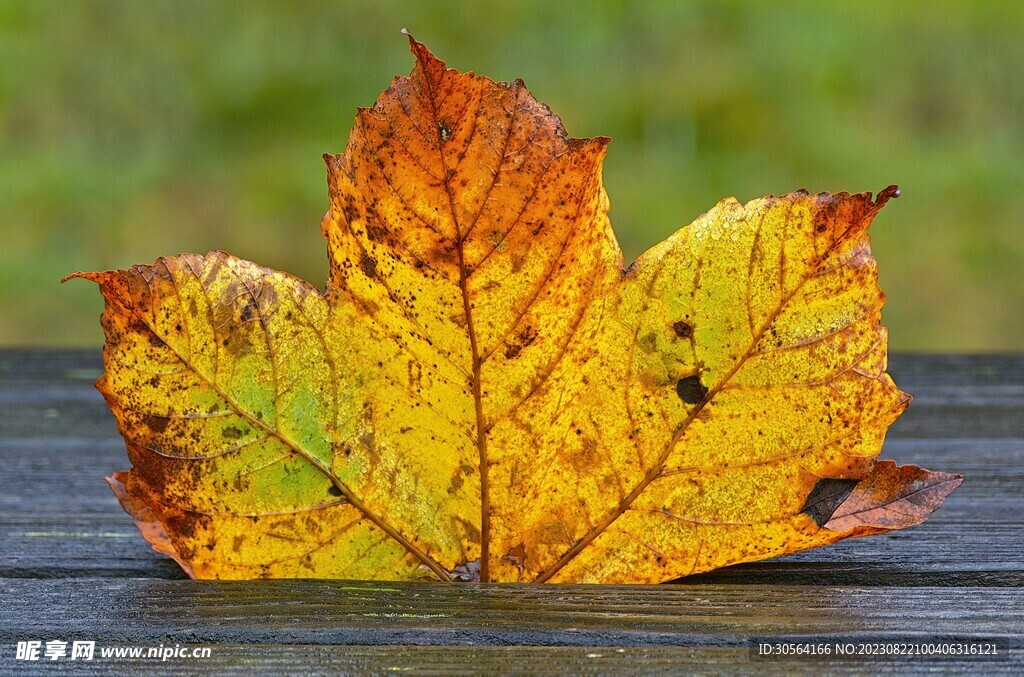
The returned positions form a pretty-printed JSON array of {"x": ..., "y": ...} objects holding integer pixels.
[{"x": 483, "y": 392}]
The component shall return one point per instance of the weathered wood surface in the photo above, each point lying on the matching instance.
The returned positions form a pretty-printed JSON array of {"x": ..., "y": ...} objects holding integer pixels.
[{"x": 72, "y": 565}]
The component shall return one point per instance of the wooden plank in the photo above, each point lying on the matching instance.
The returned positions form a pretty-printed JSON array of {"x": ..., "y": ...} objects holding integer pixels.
[
  {"x": 72, "y": 565},
  {"x": 362, "y": 613},
  {"x": 976, "y": 371},
  {"x": 305, "y": 659}
]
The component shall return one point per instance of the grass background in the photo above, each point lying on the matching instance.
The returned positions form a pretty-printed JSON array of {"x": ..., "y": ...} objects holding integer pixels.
[{"x": 133, "y": 130}]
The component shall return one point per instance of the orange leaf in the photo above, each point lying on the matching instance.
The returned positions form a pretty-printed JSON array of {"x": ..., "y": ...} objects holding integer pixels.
[{"x": 485, "y": 391}]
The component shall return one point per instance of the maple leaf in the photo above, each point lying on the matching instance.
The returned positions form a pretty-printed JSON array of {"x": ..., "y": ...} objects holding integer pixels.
[{"x": 484, "y": 392}]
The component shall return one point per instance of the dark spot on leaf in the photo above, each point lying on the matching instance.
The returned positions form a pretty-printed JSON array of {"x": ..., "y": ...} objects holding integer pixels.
[
  {"x": 524, "y": 337},
  {"x": 456, "y": 483},
  {"x": 682, "y": 329},
  {"x": 826, "y": 497},
  {"x": 444, "y": 130},
  {"x": 377, "y": 233},
  {"x": 232, "y": 433},
  {"x": 334, "y": 491},
  {"x": 691, "y": 390},
  {"x": 156, "y": 423},
  {"x": 186, "y": 526},
  {"x": 368, "y": 265},
  {"x": 249, "y": 310}
]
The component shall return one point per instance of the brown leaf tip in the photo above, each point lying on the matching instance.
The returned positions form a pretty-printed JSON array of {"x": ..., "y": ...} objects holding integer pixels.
[
  {"x": 888, "y": 193},
  {"x": 892, "y": 497},
  {"x": 97, "y": 276},
  {"x": 420, "y": 51}
]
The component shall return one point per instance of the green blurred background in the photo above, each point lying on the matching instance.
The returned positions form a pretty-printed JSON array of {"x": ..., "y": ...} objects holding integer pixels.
[{"x": 133, "y": 130}]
